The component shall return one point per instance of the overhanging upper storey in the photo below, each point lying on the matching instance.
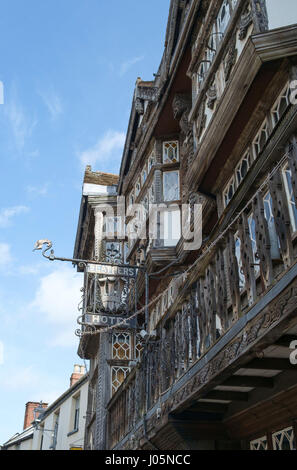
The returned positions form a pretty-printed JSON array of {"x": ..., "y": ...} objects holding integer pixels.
[
  {"x": 98, "y": 188},
  {"x": 150, "y": 96},
  {"x": 265, "y": 65}
]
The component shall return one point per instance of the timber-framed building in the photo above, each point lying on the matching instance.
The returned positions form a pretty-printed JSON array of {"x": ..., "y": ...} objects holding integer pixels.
[{"x": 216, "y": 127}]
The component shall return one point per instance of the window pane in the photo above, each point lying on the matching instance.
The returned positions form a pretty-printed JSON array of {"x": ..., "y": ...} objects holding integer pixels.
[
  {"x": 290, "y": 197},
  {"x": 170, "y": 152},
  {"x": 118, "y": 375},
  {"x": 274, "y": 240},
  {"x": 171, "y": 186}
]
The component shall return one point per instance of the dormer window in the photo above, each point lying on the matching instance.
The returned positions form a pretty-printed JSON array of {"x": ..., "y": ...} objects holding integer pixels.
[{"x": 170, "y": 152}]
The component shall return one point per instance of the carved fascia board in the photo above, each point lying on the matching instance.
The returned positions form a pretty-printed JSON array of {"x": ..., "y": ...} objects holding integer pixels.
[
  {"x": 181, "y": 103},
  {"x": 279, "y": 314},
  {"x": 139, "y": 106},
  {"x": 147, "y": 93},
  {"x": 255, "y": 331},
  {"x": 260, "y": 15},
  {"x": 211, "y": 96},
  {"x": 245, "y": 22}
]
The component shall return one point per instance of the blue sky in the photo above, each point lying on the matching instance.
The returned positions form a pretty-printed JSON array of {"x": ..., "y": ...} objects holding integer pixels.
[{"x": 69, "y": 70}]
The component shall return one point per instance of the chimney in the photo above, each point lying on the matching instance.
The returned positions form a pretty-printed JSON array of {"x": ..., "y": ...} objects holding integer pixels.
[
  {"x": 29, "y": 412},
  {"x": 78, "y": 373}
]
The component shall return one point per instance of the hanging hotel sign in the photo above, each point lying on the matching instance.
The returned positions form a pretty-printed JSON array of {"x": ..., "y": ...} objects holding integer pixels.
[
  {"x": 108, "y": 270},
  {"x": 108, "y": 320}
]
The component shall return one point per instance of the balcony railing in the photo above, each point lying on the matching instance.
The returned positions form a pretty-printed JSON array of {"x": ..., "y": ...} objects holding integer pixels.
[{"x": 249, "y": 257}]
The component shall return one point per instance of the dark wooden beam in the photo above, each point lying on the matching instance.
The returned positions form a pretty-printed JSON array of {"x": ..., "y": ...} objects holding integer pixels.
[
  {"x": 270, "y": 364},
  {"x": 286, "y": 340},
  {"x": 208, "y": 407},
  {"x": 225, "y": 395},
  {"x": 247, "y": 381}
]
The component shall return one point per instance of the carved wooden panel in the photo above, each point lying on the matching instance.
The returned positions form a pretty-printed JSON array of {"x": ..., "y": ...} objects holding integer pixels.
[
  {"x": 248, "y": 260},
  {"x": 221, "y": 289},
  {"x": 281, "y": 217},
  {"x": 263, "y": 241},
  {"x": 292, "y": 151},
  {"x": 233, "y": 275}
]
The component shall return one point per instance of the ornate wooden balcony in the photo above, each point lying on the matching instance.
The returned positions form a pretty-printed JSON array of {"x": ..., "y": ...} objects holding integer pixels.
[{"x": 228, "y": 289}]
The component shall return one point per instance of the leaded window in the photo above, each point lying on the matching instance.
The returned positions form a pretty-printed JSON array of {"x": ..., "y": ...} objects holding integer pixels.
[
  {"x": 269, "y": 216},
  {"x": 239, "y": 262},
  {"x": 252, "y": 233},
  {"x": 223, "y": 17},
  {"x": 112, "y": 226},
  {"x": 261, "y": 139},
  {"x": 118, "y": 375},
  {"x": 138, "y": 346},
  {"x": 151, "y": 194},
  {"x": 211, "y": 46},
  {"x": 259, "y": 444},
  {"x": 131, "y": 199},
  {"x": 229, "y": 191},
  {"x": 143, "y": 176},
  {"x": 170, "y": 152},
  {"x": 121, "y": 346},
  {"x": 113, "y": 252},
  {"x": 137, "y": 188},
  {"x": 243, "y": 168},
  {"x": 171, "y": 185},
  {"x": 151, "y": 162},
  {"x": 170, "y": 227},
  {"x": 281, "y": 105},
  {"x": 204, "y": 66},
  {"x": 287, "y": 175},
  {"x": 284, "y": 440}
]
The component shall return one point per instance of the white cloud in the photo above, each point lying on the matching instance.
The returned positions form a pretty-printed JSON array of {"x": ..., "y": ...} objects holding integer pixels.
[
  {"x": 34, "y": 383},
  {"x": 128, "y": 64},
  {"x": 5, "y": 254},
  {"x": 1, "y": 353},
  {"x": 22, "y": 125},
  {"x": 52, "y": 102},
  {"x": 38, "y": 190},
  {"x": 7, "y": 214},
  {"x": 57, "y": 299},
  {"x": 19, "y": 379},
  {"x": 108, "y": 148}
]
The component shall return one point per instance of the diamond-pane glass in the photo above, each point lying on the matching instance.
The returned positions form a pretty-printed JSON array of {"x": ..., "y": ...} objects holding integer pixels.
[
  {"x": 118, "y": 375},
  {"x": 121, "y": 346},
  {"x": 170, "y": 152}
]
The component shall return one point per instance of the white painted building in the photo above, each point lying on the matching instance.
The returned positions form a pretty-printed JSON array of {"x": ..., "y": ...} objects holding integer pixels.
[
  {"x": 61, "y": 426},
  {"x": 20, "y": 441}
]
